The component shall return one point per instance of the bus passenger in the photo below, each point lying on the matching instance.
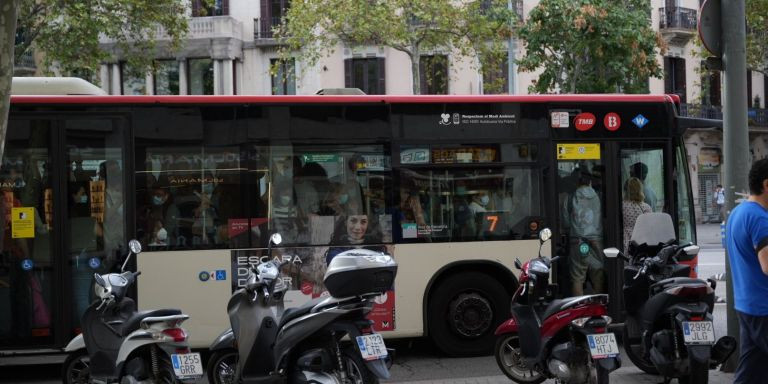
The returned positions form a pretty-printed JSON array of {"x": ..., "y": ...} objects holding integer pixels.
[
  {"x": 632, "y": 207},
  {"x": 161, "y": 215},
  {"x": 284, "y": 213},
  {"x": 479, "y": 202},
  {"x": 640, "y": 170},
  {"x": 582, "y": 215}
]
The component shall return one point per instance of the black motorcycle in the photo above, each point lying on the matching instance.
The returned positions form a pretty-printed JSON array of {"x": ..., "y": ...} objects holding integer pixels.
[
  {"x": 305, "y": 345},
  {"x": 668, "y": 329}
]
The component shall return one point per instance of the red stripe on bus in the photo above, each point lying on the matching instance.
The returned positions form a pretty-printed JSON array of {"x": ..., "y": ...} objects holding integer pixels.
[{"x": 357, "y": 99}]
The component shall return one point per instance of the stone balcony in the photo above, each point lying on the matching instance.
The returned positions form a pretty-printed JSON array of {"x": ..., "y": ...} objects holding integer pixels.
[
  {"x": 209, "y": 36},
  {"x": 677, "y": 24}
]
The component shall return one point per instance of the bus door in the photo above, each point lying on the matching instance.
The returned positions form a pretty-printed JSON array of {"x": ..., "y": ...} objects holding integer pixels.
[
  {"x": 95, "y": 206},
  {"x": 29, "y": 280},
  {"x": 581, "y": 216},
  {"x": 592, "y": 185}
]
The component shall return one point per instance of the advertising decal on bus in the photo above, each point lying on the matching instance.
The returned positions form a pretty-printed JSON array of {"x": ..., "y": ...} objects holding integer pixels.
[
  {"x": 584, "y": 121},
  {"x": 612, "y": 121}
]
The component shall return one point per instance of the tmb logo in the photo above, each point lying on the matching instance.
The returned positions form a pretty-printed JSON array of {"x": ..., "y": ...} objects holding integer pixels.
[{"x": 584, "y": 121}]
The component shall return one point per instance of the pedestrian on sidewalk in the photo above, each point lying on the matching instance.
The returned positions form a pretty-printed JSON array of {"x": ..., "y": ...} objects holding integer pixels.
[
  {"x": 718, "y": 200},
  {"x": 747, "y": 245}
]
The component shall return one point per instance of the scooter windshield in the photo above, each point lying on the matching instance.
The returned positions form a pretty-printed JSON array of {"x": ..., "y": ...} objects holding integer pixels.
[{"x": 653, "y": 229}]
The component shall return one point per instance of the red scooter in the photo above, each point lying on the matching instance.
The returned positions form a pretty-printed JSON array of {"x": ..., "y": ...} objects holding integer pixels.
[{"x": 546, "y": 338}]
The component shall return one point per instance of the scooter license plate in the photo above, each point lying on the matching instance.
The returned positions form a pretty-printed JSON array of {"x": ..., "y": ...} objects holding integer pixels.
[
  {"x": 602, "y": 345},
  {"x": 187, "y": 365},
  {"x": 698, "y": 332},
  {"x": 372, "y": 347}
]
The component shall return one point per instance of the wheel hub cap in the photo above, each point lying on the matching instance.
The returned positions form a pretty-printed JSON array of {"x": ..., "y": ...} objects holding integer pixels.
[{"x": 470, "y": 315}]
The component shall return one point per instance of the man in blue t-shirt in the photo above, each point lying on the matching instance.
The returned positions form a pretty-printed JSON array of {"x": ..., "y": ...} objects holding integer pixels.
[{"x": 747, "y": 245}]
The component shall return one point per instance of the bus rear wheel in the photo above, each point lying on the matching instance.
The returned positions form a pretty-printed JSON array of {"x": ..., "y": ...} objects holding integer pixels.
[{"x": 464, "y": 311}]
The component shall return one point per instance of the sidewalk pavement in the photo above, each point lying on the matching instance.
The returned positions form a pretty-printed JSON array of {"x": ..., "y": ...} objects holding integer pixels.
[
  {"x": 708, "y": 235},
  {"x": 627, "y": 374}
]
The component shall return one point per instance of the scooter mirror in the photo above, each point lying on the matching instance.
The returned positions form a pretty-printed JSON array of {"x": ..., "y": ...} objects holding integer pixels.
[
  {"x": 545, "y": 234},
  {"x": 611, "y": 253},
  {"x": 518, "y": 264},
  {"x": 99, "y": 280},
  {"x": 691, "y": 250},
  {"x": 276, "y": 239},
  {"x": 135, "y": 246}
]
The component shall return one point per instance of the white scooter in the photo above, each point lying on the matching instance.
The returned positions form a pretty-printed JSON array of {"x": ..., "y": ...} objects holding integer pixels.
[{"x": 121, "y": 345}]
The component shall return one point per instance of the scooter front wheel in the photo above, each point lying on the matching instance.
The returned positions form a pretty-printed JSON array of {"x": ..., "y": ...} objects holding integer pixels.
[
  {"x": 76, "y": 368},
  {"x": 509, "y": 359},
  {"x": 222, "y": 366}
]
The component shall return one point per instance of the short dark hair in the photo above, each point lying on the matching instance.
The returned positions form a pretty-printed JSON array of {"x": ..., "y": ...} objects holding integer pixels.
[
  {"x": 639, "y": 170},
  {"x": 757, "y": 174}
]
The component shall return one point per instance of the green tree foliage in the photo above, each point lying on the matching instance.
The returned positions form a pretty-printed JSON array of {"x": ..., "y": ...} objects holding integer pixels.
[
  {"x": 591, "y": 46},
  {"x": 68, "y": 32},
  {"x": 311, "y": 29},
  {"x": 757, "y": 37}
]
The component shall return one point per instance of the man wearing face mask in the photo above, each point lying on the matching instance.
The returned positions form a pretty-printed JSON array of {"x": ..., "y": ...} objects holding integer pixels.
[
  {"x": 479, "y": 202},
  {"x": 284, "y": 218},
  {"x": 163, "y": 216}
]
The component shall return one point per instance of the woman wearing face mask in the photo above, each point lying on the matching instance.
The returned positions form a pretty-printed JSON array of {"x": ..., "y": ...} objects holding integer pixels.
[
  {"x": 354, "y": 231},
  {"x": 336, "y": 202}
]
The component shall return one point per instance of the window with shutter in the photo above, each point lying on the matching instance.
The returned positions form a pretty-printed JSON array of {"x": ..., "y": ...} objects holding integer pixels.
[{"x": 368, "y": 74}]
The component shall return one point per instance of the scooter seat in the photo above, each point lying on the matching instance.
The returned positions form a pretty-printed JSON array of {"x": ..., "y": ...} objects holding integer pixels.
[
  {"x": 293, "y": 313},
  {"x": 134, "y": 321},
  {"x": 563, "y": 304},
  {"x": 676, "y": 281}
]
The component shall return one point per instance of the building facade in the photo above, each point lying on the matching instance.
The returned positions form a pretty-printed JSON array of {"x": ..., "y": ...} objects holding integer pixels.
[{"x": 230, "y": 48}]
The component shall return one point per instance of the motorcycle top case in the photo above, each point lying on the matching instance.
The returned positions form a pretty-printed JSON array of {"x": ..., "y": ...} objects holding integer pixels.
[{"x": 359, "y": 272}]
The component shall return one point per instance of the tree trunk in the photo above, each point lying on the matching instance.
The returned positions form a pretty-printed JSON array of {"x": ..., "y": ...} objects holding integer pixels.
[
  {"x": 415, "y": 70},
  {"x": 8, "y": 11}
]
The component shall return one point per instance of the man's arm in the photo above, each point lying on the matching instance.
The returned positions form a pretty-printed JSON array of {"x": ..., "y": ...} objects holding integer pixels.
[{"x": 762, "y": 257}]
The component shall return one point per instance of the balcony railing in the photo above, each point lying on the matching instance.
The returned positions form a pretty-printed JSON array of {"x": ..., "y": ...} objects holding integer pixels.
[
  {"x": 756, "y": 116},
  {"x": 208, "y": 27},
  {"x": 262, "y": 27},
  {"x": 26, "y": 62},
  {"x": 677, "y": 17}
]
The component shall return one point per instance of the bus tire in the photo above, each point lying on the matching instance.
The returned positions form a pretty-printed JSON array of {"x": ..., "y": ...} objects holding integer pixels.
[{"x": 464, "y": 311}]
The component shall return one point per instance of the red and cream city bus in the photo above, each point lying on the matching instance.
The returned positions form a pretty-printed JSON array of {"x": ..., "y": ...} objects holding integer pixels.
[{"x": 454, "y": 187}]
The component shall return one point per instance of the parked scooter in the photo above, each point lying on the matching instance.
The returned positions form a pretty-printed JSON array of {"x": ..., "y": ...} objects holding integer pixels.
[
  {"x": 668, "y": 329},
  {"x": 562, "y": 339},
  {"x": 304, "y": 345},
  {"x": 120, "y": 345}
]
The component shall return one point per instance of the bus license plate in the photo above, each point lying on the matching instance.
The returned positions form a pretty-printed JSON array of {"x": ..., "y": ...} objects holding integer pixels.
[
  {"x": 187, "y": 365},
  {"x": 372, "y": 347},
  {"x": 602, "y": 345},
  {"x": 698, "y": 332}
]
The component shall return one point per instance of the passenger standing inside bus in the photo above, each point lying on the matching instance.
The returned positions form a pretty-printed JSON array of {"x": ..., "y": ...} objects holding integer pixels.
[
  {"x": 284, "y": 213},
  {"x": 582, "y": 215},
  {"x": 640, "y": 171},
  {"x": 747, "y": 245},
  {"x": 633, "y": 206},
  {"x": 162, "y": 216}
]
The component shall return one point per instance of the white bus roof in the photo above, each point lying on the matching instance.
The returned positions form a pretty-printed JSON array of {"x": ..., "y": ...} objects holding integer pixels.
[{"x": 53, "y": 86}]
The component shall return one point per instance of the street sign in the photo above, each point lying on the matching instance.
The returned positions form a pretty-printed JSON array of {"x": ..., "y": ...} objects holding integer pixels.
[{"x": 710, "y": 30}]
